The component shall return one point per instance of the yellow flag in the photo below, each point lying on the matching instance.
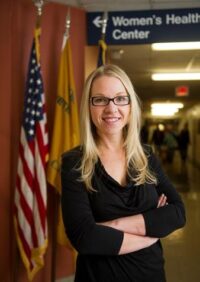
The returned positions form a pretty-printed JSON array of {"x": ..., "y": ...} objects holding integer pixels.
[
  {"x": 66, "y": 126},
  {"x": 102, "y": 53}
]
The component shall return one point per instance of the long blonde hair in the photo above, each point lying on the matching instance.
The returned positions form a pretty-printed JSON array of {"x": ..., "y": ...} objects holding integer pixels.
[{"x": 135, "y": 155}]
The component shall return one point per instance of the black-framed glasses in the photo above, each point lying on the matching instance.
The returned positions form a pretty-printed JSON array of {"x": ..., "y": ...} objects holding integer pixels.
[{"x": 104, "y": 101}]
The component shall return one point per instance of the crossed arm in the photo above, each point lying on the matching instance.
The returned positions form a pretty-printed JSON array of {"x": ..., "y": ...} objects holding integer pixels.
[
  {"x": 134, "y": 230},
  {"x": 122, "y": 235}
]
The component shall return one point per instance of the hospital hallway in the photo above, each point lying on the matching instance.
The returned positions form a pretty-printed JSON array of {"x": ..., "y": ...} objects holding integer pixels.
[{"x": 182, "y": 248}]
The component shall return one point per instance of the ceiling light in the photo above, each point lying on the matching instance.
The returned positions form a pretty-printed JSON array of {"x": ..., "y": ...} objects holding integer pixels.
[
  {"x": 161, "y": 112},
  {"x": 176, "y": 46},
  {"x": 116, "y": 54},
  {"x": 176, "y": 76},
  {"x": 167, "y": 105},
  {"x": 165, "y": 109}
]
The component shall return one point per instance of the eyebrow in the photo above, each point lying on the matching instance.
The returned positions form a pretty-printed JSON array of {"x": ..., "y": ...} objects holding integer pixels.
[{"x": 117, "y": 94}]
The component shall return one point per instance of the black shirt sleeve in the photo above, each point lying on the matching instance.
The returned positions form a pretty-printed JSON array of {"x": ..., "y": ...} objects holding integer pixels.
[
  {"x": 162, "y": 221},
  {"x": 86, "y": 236}
]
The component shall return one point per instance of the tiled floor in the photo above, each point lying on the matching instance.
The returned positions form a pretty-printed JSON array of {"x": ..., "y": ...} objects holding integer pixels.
[{"x": 182, "y": 248}]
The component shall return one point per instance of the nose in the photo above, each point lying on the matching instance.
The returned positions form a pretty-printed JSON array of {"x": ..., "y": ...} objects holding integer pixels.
[{"x": 111, "y": 107}]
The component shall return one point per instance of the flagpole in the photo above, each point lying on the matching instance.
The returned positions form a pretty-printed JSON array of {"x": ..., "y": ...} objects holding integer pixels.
[
  {"x": 67, "y": 28},
  {"x": 39, "y": 6},
  {"x": 57, "y": 198},
  {"x": 104, "y": 25}
]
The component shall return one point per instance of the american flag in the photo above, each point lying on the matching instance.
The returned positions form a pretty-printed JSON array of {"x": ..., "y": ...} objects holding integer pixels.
[{"x": 30, "y": 208}]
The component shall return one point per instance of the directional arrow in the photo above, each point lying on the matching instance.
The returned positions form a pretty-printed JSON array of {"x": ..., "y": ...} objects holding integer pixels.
[{"x": 97, "y": 21}]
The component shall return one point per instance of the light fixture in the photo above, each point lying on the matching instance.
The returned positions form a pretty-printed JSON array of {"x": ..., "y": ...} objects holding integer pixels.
[
  {"x": 161, "y": 127},
  {"x": 116, "y": 54},
  {"x": 170, "y": 46},
  {"x": 165, "y": 109},
  {"x": 176, "y": 76}
]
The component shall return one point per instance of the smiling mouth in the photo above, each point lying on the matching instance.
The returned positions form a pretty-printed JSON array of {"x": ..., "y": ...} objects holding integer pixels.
[{"x": 111, "y": 119}]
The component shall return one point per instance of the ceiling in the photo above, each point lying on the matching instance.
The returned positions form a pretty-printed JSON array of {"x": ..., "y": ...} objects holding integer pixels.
[
  {"x": 144, "y": 60},
  {"x": 125, "y": 5}
]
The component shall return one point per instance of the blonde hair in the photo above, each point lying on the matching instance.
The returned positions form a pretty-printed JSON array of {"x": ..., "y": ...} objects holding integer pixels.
[{"x": 135, "y": 155}]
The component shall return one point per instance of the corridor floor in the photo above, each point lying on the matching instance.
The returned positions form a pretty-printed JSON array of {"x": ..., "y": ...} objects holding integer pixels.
[{"x": 182, "y": 248}]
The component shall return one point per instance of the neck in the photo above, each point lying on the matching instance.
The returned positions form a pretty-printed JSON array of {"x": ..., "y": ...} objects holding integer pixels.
[{"x": 111, "y": 143}]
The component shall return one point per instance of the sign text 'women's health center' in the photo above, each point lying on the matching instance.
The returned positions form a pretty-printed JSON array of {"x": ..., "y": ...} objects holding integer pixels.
[{"x": 140, "y": 27}]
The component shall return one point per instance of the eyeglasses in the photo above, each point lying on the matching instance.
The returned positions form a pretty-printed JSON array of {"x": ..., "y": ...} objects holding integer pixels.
[{"x": 104, "y": 101}]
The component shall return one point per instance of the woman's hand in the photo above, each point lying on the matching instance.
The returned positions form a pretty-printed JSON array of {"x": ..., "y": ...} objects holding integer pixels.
[{"x": 162, "y": 201}]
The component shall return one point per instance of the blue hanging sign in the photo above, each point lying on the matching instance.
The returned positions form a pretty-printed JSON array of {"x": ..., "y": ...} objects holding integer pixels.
[{"x": 144, "y": 27}]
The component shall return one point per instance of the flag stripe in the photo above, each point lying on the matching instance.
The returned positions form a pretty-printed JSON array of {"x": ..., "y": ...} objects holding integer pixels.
[
  {"x": 26, "y": 246},
  {"x": 24, "y": 168},
  {"x": 41, "y": 145},
  {"x": 38, "y": 194},
  {"x": 25, "y": 186},
  {"x": 27, "y": 211},
  {"x": 22, "y": 222},
  {"x": 26, "y": 151}
]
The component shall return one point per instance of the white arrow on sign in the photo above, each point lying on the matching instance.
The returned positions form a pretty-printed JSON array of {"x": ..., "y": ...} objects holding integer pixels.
[{"x": 97, "y": 21}]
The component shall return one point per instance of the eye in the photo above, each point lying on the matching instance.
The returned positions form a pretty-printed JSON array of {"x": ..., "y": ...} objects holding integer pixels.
[
  {"x": 121, "y": 99},
  {"x": 99, "y": 100}
]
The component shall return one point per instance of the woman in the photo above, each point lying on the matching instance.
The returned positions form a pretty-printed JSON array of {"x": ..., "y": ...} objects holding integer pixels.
[{"x": 116, "y": 200}]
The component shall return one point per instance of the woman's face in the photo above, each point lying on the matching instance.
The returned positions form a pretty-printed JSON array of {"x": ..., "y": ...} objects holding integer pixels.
[{"x": 109, "y": 119}]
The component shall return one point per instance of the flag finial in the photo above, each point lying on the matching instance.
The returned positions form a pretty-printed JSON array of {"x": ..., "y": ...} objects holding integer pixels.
[
  {"x": 67, "y": 23},
  {"x": 39, "y": 6}
]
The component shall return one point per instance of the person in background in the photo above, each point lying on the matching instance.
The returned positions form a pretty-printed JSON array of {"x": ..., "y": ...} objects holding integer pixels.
[
  {"x": 184, "y": 141},
  {"x": 171, "y": 143},
  {"x": 157, "y": 140},
  {"x": 144, "y": 133},
  {"x": 116, "y": 200}
]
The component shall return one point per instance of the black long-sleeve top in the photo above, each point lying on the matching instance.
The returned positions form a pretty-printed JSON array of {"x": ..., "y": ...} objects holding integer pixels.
[{"x": 98, "y": 246}]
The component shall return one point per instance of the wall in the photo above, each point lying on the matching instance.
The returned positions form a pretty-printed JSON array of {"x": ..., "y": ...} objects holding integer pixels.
[
  {"x": 5, "y": 133},
  {"x": 91, "y": 58},
  {"x": 17, "y": 20}
]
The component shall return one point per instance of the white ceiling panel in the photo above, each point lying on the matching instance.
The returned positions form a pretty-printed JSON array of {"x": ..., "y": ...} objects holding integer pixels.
[{"x": 120, "y": 5}]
